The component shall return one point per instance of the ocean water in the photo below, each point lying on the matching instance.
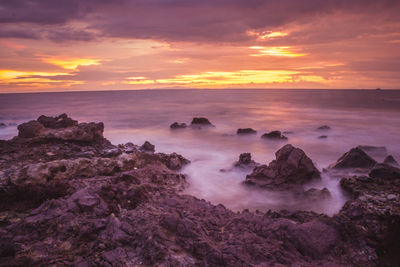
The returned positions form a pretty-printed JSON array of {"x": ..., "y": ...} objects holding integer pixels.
[{"x": 357, "y": 117}]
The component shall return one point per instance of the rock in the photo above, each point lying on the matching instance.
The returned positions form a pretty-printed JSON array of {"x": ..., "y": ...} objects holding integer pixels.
[
  {"x": 390, "y": 161},
  {"x": 315, "y": 195},
  {"x": 355, "y": 158},
  {"x": 2, "y": 125},
  {"x": 61, "y": 121},
  {"x": 177, "y": 125},
  {"x": 291, "y": 168},
  {"x": 201, "y": 122},
  {"x": 30, "y": 129},
  {"x": 112, "y": 152},
  {"x": 385, "y": 171},
  {"x": 245, "y": 131},
  {"x": 148, "y": 147},
  {"x": 173, "y": 161},
  {"x": 323, "y": 128},
  {"x": 245, "y": 161},
  {"x": 274, "y": 135},
  {"x": 322, "y": 137}
]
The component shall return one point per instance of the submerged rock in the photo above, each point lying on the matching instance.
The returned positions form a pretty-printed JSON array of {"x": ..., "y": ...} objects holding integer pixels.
[
  {"x": 291, "y": 168},
  {"x": 177, "y": 125},
  {"x": 242, "y": 131},
  {"x": 323, "y": 127},
  {"x": 274, "y": 135},
  {"x": 355, "y": 158},
  {"x": 245, "y": 161}
]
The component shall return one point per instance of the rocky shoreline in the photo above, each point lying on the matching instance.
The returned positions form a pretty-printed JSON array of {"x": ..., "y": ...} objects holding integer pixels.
[{"x": 68, "y": 197}]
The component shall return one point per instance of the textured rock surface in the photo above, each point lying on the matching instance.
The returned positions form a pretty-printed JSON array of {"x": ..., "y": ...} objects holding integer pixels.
[
  {"x": 200, "y": 122},
  {"x": 355, "y": 158},
  {"x": 291, "y": 168},
  {"x": 177, "y": 125},
  {"x": 274, "y": 135},
  {"x": 73, "y": 203},
  {"x": 245, "y": 161}
]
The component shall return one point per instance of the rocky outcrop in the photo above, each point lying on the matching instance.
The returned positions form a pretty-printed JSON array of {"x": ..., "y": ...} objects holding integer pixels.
[
  {"x": 201, "y": 121},
  {"x": 290, "y": 169},
  {"x": 385, "y": 171},
  {"x": 390, "y": 161},
  {"x": 61, "y": 128},
  {"x": 147, "y": 146},
  {"x": 242, "y": 131},
  {"x": 245, "y": 161},
  {"x": 274, "y": 135},
  {"x": 355, "y": 158},
  {"x": 177, "y": 125}
]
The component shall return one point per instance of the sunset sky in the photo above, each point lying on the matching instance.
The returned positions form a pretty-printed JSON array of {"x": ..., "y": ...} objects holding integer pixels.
[{"x": 68, "y": 45}]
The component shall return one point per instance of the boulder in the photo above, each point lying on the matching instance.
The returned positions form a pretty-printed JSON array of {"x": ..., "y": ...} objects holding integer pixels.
[
  {"x": 177, "y": 125},
  {"x": 148, "y": 147},
  {"x": 241, "y": 131},
  {"x": 355, "y": 158},
  {"x": 201, "y": 121},
  {"x": 323, "y": 128},
  {"x": 390, "y": 161},
  {"x": 385, "y": 171},
  {"x": 61, "y": 121},
  {"x": 274, "y": 135},
  {"x": 30, "y": 129},
  {"x": 290, "y": 169},
  {"x": 245, "y": 161}
]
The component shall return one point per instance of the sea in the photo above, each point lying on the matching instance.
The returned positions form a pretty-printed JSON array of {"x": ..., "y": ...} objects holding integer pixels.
[{"x": 356, "y": 117}]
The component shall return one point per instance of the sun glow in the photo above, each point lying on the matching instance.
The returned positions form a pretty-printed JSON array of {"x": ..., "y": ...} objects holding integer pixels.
[
  {"x": 71, "y": 63},
  {"x": 281, "y": 51}
]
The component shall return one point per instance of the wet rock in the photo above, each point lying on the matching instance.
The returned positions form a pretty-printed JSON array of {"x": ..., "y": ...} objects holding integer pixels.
[
  {"x": 177, "y": 125},
  {"x": 274, "y": 135},
  {"x": 128, "y": 147},
  {"x": 323, "y": 128},
  {"x": 148, "y": 147},
  {"x": 61, "y": 121},
  {"x": 355, "y": 158},
  {"x": 173, "y": 161},
  {"x": 245, "y": 161},
  {"x": 201, "y": 121},
  {"x": 390, "y": 161},
  {"x": 291, "y": 168},
  {"x": 385, "y": 171},
  {"x": 241, "y": 131}
]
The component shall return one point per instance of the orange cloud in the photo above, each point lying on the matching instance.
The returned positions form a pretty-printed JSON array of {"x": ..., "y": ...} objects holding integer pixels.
[{"x": 71, "y": 63}]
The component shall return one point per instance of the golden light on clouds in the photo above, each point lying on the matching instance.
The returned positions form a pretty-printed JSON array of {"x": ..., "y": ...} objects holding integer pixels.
[
  {"x": 71, "y": 63},
  {"x": 267, "y": 34},
  {"x": 281, "y": 51},
  {"x": 225, "y": 78}
]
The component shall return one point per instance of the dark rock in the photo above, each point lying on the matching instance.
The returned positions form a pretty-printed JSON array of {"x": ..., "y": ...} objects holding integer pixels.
[
  {"x": 291, "y": 168},
  {"x": 246, "y": 131},
  {"x": 315, "y": 195},
  {"x": 322, "y": 137},
  {"x": 30, "y": 129},
  {"x": 2, "y": 125},
  {"x": 177, "y": 125},
  {"x": 385, "y": 171},
  {"x": 147, "y": 146},
  {"x": 61, "y": 121},
  {"x": 274, "y": 135},
  {"x": 201, "y": 121},
  {"x": 323, "y": 128},
  {"x": 391, "y": 161},
  {"x": 245, "y": 161},
  {"x": 355, "y": 158}
]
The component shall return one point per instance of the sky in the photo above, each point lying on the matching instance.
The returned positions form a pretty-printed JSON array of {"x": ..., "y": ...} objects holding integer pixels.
[{"x": 71, "y": 45}]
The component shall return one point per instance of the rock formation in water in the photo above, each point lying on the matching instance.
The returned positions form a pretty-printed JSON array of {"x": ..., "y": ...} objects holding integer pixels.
[
  {"x": 242, "y": 131},
  {"x": 245, "y": 162},
  {"x": 355, "y": 158},
  {"x": 66, "y": 200},
  {"x": 323, "y": 128},
  {"x": 291, "y": 168},
  {"x": 274, "y": 135},
  {"x": 390, "y": 160},
  {"x": 147, "y": 146},
  {"x": 177, "y": 125},
  {"x": 201, "y": 121}
]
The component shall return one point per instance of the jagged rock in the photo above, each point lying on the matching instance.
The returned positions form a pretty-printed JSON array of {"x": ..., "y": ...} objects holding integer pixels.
[
  {"x": 147, "y": 146},
  {"x": 245, "y": 161},
  {"x": 355, "y": 158},
  {"x": 245, "y": 131},
  {"x": 201, "y": 122},
  {"x": 62, "y": 128},
  {"x": 174, "y": 161},
  {"x": 274, "y": 135},
  {"x": 390, "y": 161},
  {"x": 291, "y": 168},
  {"x": 177, "y": 125},
  {"x": 323, "y": 128},
  {"x": 385, "y": 171}
]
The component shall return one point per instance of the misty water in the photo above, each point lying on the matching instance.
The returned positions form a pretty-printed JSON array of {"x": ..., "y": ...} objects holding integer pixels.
[{"x": 357, "y": 117}]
